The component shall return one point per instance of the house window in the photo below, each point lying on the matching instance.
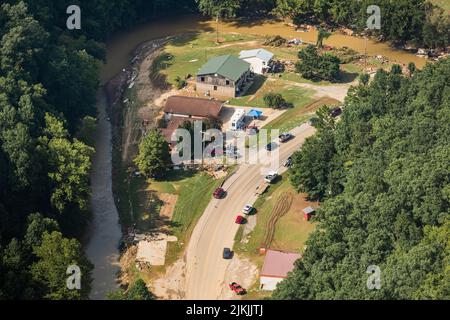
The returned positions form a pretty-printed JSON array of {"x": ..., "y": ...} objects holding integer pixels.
[
  {"x": 202, "y": 79},
  {"x": 228, "y": 82},
  {"x": 215, "y": 88}
]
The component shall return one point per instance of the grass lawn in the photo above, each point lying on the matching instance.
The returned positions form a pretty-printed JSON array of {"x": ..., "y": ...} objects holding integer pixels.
[
  {"x": 194, "y": 192},
  {"x": 185, "y": 54},
  {"x": 299, "y": 114},
  {"x": 255, "y": 97},
  {"x": 291, "y": 230}
]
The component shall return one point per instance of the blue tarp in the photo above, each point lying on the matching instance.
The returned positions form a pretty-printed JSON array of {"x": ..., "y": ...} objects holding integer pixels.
[{"x": 255, "y": 113}]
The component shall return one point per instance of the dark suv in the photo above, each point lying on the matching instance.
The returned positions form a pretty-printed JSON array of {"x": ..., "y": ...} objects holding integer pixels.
[{"x": 227, "y": 253}]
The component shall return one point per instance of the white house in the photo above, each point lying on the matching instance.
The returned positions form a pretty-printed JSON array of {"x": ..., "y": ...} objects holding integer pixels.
[
  {"x": 277, "y": 265},
  {"x": 259, "y": 59}
]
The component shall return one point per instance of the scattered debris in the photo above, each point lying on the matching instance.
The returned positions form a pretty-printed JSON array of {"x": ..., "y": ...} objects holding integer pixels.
[{"x": 152, "y": 249}]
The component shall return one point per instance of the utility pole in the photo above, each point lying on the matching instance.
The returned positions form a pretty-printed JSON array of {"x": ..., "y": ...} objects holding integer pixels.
[
  {"x": 217, "y": 27},
  {"x": 365, "y": 55}
]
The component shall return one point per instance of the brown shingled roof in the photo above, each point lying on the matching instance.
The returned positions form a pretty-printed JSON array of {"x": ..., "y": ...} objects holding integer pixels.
[
  {"x": 195, "y": 107},
  {"x": 278, "y": 264}
]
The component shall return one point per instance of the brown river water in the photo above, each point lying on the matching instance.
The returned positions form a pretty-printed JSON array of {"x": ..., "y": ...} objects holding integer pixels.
[{"x": 102, "y": 248}]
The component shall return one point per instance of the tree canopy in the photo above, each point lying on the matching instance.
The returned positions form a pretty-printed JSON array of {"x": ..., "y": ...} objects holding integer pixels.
[
  {"x": 154, "y": 158},
  {"x": 49, "y": 78},
  {"x": 383, "y": 176}
]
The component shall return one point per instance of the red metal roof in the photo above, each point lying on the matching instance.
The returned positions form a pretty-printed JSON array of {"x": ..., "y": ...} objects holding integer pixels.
[
  {"x": 278, "y": 264},
  {"x": 195, "y": 107}
]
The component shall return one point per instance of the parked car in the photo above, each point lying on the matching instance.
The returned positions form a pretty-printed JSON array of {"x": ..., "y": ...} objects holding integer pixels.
[
  {"x": 219, "y": 193},
  {"x": 285, "y": 137},
  {"x": 227, "y": 253},
  {"x": 240, "y": 220},
  {"x": 271, "y": 146},
  {"x": 271, "y": 177},
  {"x": 236, "y": 288},
  {"x": 336, "y": 112},
  {"x": 288, "y": 162},
  {"x": 248, "y": 209}
]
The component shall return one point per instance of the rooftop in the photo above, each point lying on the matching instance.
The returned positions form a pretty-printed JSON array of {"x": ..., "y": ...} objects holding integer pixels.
[
  {"x": 309, "y": 210},
  {"x": 263, "y": 54},
  {"x": 278, "y": 264},
  {"x": 196, "y": 107},
  {"x": 227, "y": 66}
]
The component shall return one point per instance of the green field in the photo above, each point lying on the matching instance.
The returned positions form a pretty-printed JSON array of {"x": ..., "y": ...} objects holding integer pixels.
[
  {"x": 291, "y": 230},
  {"x": 194, "y": 192},
  {"x": 255, "y": 97},
  {"x": 185, "y": 54}
]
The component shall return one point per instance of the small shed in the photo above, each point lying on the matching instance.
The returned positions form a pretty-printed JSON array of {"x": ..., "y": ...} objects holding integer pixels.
[
  {"x": 308, "y": 213},
  {"x": 277, "y": 265}
]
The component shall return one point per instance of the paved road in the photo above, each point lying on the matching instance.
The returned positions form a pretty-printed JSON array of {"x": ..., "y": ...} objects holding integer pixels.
[{"x": 205, "y": 270}]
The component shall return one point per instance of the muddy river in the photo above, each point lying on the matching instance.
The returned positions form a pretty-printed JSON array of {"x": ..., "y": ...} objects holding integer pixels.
[
  {"x": 102, "y": 249},
  {"x": 105, "y": 234}
]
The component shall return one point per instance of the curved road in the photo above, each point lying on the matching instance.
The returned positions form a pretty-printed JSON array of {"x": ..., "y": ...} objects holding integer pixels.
[{"x": 216, "y": 229}]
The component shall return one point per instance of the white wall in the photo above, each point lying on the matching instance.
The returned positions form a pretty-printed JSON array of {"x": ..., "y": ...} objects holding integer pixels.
[
  {"x": 269, "y": 283},
  {"x": 256, "y": 65}
]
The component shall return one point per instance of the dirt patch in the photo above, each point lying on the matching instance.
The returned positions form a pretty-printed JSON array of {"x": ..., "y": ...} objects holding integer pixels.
[
  {"x": 171, "y": 286},
  {"x": 312, "y": 107},
  {"x": 337, "y": 92},
  {"x": 169, "y": 200},
  {"x": 241, "y": 271},
  {"x": 152, "y": 249},
  {"x": 127, "y": 265}
]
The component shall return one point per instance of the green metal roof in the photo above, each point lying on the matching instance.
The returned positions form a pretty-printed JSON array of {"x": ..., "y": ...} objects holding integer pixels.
[{"x": 227, "y": 66}]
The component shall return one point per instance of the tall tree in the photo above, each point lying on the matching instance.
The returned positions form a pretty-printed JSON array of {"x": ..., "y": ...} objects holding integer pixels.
[
  {"x": 55, "y": 255},
  {"x": 321, "y": 36},
  {"x": 154, "y": 158}
]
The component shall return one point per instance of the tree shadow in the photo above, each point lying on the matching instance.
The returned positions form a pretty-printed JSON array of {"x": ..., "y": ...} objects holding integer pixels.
[
  {"x": 347, "y": 77},
  {"x": 258, "y": 83},
  {"x": 254, "y": 21},
  {"x": 178, "y": 175}
]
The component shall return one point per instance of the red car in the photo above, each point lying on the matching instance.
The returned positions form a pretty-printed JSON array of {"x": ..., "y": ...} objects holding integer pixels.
[
  {"x": 219, "y": 193},
  {"x": 240, "y": 220},
  {"x": 236, "y": 288}
]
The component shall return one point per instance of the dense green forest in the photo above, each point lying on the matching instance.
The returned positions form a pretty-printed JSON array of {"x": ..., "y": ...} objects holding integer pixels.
[
  {"x": 383, "y": 175},
  {"x": 48, "y": 84}
]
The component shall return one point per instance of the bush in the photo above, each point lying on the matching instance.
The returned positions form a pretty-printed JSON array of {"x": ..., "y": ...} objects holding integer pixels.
[
  {"x": 276, "y": 41},
  {"x": 180, "y": 83},
  {"x": 275, "y": 100},
  {"x": 317, "y": 67}
]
